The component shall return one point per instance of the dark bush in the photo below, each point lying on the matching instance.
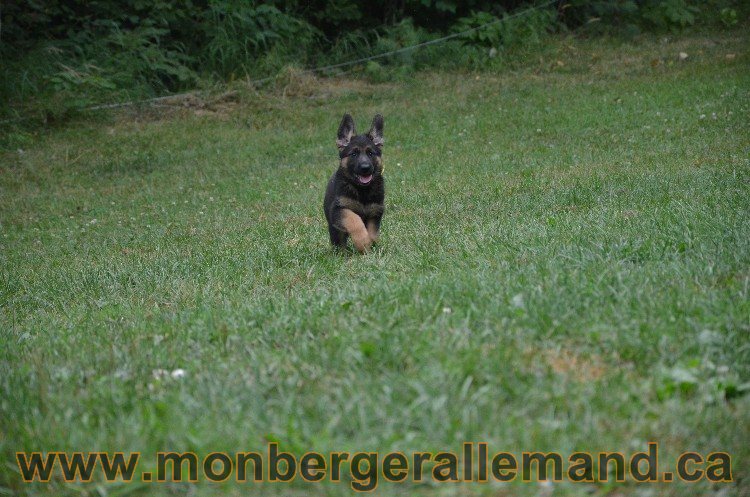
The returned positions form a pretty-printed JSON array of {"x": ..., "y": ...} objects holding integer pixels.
[{"x": 66, "y": 54}]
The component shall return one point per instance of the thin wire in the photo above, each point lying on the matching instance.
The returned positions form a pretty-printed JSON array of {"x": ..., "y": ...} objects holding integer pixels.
[
  {"x": 328, "y": 67},
  {"x": 423, "y": 44}
]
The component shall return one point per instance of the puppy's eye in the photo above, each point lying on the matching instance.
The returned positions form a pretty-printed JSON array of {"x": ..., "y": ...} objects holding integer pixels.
[
  {"x": 369, "y": 153},
  {"x": 354, "y": 153}
]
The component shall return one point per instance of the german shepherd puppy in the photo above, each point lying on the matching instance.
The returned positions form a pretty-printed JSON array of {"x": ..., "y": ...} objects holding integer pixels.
[{"x": 353, "y": 203}]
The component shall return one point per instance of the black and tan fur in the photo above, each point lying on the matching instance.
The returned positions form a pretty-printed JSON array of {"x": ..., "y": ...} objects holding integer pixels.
[{"x": 353, "y": 205}]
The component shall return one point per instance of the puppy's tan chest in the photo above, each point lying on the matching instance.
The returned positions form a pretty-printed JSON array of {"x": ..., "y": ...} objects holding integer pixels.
[{"x": 366, "y": 211}]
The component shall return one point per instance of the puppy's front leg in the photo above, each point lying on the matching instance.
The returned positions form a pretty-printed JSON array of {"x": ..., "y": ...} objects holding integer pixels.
[
  {"x": 352, "y": 224},
  {"x": 373, "y": 229}
]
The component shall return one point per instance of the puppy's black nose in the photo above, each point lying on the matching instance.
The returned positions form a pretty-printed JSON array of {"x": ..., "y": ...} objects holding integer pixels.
[{"x": 365, "y": 169}]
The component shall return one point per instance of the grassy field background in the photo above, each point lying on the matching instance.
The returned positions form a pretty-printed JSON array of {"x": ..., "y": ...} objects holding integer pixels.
[{"x": 564, "y": 265}]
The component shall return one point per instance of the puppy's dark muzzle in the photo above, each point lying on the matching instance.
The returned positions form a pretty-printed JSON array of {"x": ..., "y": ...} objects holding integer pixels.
[{"x": 364, "y": 169}]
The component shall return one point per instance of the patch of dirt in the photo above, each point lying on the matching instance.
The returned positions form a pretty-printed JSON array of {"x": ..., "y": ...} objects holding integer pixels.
[
  {"x": 567, "y": 363},
  {"x": 291, "y": 84}
]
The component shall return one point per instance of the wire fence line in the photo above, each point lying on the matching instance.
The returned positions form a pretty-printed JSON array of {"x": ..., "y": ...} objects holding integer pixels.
[
  {"x": 327, "y": 67},
  {"x": 423, "y": 44}
]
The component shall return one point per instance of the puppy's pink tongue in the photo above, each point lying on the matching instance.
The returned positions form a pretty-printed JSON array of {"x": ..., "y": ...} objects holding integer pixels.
[{"x": 365, "y": 179}]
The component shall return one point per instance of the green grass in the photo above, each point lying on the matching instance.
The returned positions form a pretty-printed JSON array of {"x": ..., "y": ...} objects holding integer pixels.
[{"x": 564, "y": 265}]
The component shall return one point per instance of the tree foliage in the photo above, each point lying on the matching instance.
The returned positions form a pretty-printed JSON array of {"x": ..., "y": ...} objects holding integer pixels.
[{"x": 79, "y": 50}]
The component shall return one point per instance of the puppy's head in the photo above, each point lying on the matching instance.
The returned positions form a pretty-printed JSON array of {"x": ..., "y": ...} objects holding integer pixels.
[{"x": 361, "y": 154}]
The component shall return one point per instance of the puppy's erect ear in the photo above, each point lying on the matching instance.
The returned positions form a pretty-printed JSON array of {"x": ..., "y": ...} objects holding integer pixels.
[
  {"x": 376, "y": 130},
  {"x": 346, "y": 131}
]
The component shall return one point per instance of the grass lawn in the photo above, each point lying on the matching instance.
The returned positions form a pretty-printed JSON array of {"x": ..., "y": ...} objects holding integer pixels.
[{"x": 564, "y": 266}]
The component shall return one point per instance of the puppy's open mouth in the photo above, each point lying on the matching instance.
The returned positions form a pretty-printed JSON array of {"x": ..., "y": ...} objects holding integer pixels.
[{"x": 364, "y": 180}]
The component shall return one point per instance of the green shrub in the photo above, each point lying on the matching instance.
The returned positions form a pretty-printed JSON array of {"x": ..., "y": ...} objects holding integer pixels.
[
  {"x": 489, "y": 31},
  {"x": 238, "y": 34},
  {"x": 669, "y": 14},
  {"x": 63, "y": 55},
  {"x": 376, "y": 72},
  {"x": 401, "y": 35},
  {"x": 728, "y": 16},
  {"x": 634, "y": 16}
]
